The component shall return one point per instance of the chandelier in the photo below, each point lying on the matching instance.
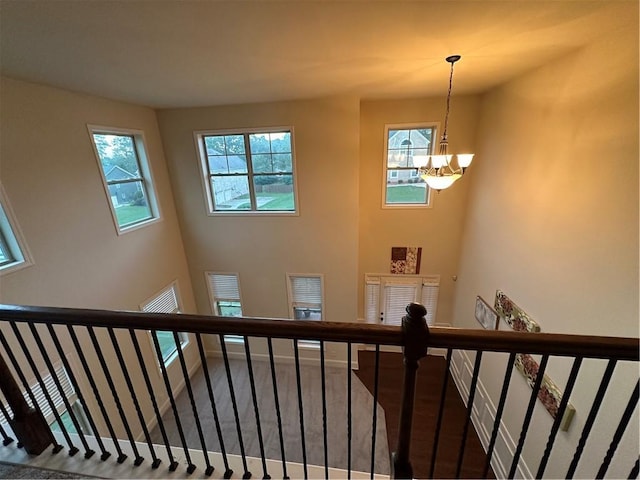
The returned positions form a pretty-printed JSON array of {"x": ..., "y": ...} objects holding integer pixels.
[{"x": 438, "y": 170}]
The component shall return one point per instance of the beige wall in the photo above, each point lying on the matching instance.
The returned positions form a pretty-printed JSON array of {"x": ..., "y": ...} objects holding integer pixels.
[
  {"x": 552, "y": 219},
  {"x": 436, "y": 229},
  {"x": 262, "y": 249},
  {"x": 51, "y": 176}
]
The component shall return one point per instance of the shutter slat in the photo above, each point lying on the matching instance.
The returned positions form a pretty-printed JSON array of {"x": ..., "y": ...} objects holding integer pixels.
[
  {"x": 397, "y": 297},
  {"x": 429, "y": 299},
  {"x": 224, "y": 287},
  {"x": 306, "y": 290},
  {"x": 372, "y": 302},
  {"x": 165, "y": 302}
]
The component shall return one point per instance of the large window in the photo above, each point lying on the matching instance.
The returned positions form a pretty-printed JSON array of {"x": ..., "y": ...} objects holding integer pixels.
[
  {"x": 126, "y": 176},
  {"x": 404, "y": 148},
  {"x": 13, "y": 251},
  {"x": 166, "y": 301},
  {"x": 248, "y": 171},
  {"x": 305, "y": 296},
  {"x": 387, "y": 297}
]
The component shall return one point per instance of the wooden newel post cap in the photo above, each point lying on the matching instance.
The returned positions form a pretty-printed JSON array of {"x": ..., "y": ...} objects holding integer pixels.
[
  {"x": 415, "y": 332},
  {"x": 416, "y": 310}
]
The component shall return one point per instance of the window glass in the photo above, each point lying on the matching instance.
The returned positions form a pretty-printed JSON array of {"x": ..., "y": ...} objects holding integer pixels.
[
  {"x": 305, "y": 296},
  {"x": 13, "y": 251},
  {"x": 167, "y": 301}
]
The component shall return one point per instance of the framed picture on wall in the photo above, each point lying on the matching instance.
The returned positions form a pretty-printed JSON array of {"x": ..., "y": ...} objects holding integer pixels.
[{"x": 486, "y": 316}]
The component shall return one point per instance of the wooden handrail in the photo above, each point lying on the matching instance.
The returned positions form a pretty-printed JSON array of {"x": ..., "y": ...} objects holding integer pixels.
[{"x": 620, "y": 348}]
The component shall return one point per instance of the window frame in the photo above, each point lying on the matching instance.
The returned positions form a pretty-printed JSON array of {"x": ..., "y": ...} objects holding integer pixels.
[
  {"x": 184, "y": 338},
  {"x": 293, "y": 304},
  {"x": 429, "y": 198},
  {"x": 12, "y": 239},
  {"x": 205, "y": 175},
  {"x": 144, "y": 168}
]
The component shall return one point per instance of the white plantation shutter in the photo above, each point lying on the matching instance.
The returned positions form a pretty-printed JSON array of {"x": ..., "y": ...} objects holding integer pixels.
[
  {"x": 372, "y": 300},
  {"x": 224, "y": 286},
  {"x": 396, "y": 299},
  {"x": 306, "y": 290},
  {"x": 165, "y": 302},
  {"x": 429, "y": 297}
]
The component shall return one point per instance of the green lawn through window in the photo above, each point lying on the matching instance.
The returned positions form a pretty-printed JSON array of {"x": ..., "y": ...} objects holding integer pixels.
[
  {"x": 129, "y": 214},
  {"x": 406, "y": 194}
]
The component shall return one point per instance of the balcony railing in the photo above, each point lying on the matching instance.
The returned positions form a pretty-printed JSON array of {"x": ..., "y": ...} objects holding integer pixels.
[{"x": 99, "y": 378}]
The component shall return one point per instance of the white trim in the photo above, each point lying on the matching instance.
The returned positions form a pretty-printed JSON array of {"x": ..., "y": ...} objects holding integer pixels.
[
  {"x": 145, "y": 171},
  {"x": 293, "y": 304},
  {"x": 14, "y": 237},
  {"x": 204, "y": 172}
]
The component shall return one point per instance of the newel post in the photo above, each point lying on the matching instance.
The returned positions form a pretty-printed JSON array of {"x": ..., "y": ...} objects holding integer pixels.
[
  {"x": 27, "y": 423},
  {"x": 415, "y": 335}
]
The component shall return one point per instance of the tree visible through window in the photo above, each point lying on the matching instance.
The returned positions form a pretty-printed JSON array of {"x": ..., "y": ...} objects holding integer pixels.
[{"x": 249, "y": 171}]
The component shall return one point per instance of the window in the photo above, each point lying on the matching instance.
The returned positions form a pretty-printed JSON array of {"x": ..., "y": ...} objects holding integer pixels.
[
  {"x": 126, "y": 176},
  {"x": 248, "y": 171},
  {"x": 167, "y": 301},
  {"x": 224, "y": 294},
  {"x": 404, "y": 148},
  {"x": 305, "y": 296},
  {"x": 13, "y": 250},
  {"x": 386, "y": 297}
]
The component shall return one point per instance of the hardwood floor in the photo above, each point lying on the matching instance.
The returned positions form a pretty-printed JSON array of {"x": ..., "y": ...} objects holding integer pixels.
[{"x": 428, "y": 391}]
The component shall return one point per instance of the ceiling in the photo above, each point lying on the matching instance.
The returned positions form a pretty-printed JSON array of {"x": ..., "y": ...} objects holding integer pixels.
[{"x": 196, "y": 53}]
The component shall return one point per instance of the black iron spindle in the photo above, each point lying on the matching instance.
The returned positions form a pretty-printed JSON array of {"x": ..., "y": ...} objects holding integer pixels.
[
  {"x": 349, "y": 373},
  {"x": 72, "y": 448},
  {"x": 134, "y": 398},
  {"x": 256, "y": 410},
  {"x": 374, "y": 425},
  {"x": 617, "y": 436},
  {"x": 205, "y": 369},
  {"x": 114, "y": 393},
  {"x": 501, "y": 403},
  {"x": 6, "y": 439},
  {"x": 593, "y": 413},
  {"x": 167, "y": 385},
  {"x": 136, "y": 346},
  {"x": 88, "y": 452},
  {"x": 528, "y": 415},
  {"x": 234, "y": 404},
  {"x": 635, "y": 469},
  {"x": 277, "y": 405},
  {"x": 324, "y": 411},
  {"x": 96, "y": 393},
  {"x": 185, "y": 374},
  {"x": 472, "y": 395},
  {"x": 74, "y": 381},
  {"x": 300, "y": 407},
  {"x": 559, "y": 415},
  {"x": 443, "y": 396}
]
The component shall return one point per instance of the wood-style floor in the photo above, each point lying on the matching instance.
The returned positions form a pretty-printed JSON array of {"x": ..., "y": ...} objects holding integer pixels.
[{"x": 427, "y": 403}]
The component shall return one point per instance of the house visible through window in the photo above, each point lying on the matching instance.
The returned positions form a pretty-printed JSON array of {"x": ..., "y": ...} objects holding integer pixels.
[
  {"x": 224, "y": 294},
  {"x": 126, "y": 176},
  {"x": 387, "y": 297},
  {"x": 305, "y": 296},
  {"x": 248, "y": 171},
  {"x": 167, "y": 301},
  {"x": 404, "y": 148},
  {"x": 13, "y": 252}
]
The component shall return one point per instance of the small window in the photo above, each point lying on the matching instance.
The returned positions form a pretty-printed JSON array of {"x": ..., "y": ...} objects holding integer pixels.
[
  {"x": 126, "y": 176},
  {"x": 387, "y": 297},
  {"x": 224, "y": 294},
  {"x": 305, "y": 296},
  {"x": 13, "y": 249},
  {"x": 250, "y": 171},
  {"x": 167, "y": 301},
  {"x": 405, "y": 149}
]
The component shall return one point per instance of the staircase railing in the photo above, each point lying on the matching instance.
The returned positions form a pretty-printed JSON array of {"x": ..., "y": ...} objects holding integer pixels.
[{"x": 112, "y": 365}]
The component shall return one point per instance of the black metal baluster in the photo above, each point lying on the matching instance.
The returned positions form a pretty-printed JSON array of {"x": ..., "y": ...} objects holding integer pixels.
[
  {"x": 349, "y": 373},
  {"x": 96, "y": 393},
  {"x": 324, "y": 411},
  {"x": 499, "y": 411},
  {"x": 560, "y": 413},
  {"x": 76, "y": 386},
  {"x": 374, "y": 425},
  {"x": 277, "y": 404},
  {"x": 136, "y": 346},
  {"x": 528, "y": 415},
  {"x": 593, "y": 413},
  {"x": 134, "y": 398},
  {"x": 300, "y": 407},
  {"x": 167, "y": 384},
  {"x": 472, "y": 395},
  {"x": 6, "y": 439},
  {"x": 203, "y": 359},
  {"x": 225, "y": 358},
  {"x": 635, "y": 469},
  {"x": 185, "y": 373},
  {"x": 443, "y": 395},
  {"x": 114, "y": 393},
  {"x": 72, "y": 448},
  {"x": 256, "y": 410},
  {"x": 88, "y": 452},
  {"x": 617, "y": 436}
]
